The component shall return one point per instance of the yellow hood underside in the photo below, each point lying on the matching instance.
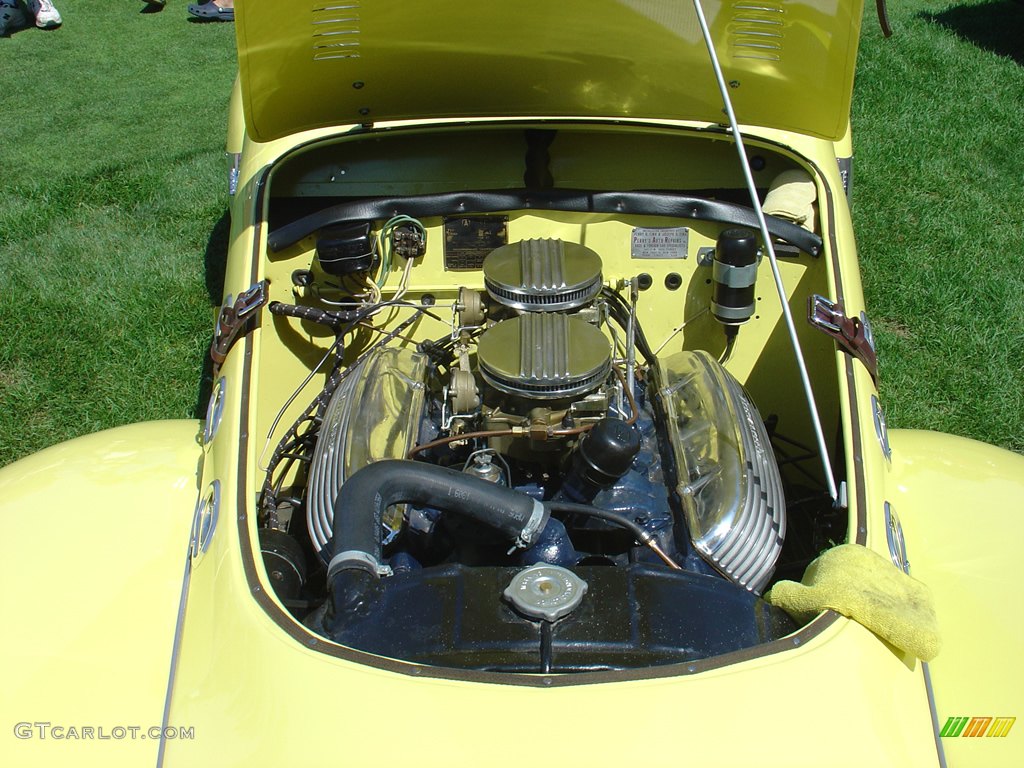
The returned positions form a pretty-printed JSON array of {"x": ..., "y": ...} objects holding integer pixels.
[{"x": 790, "y": 65}]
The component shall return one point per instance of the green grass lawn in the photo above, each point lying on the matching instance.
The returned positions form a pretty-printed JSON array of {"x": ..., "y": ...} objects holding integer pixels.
[
  {"x": 939, "y": 211},
  {"x": 112, "y": 185},
  {"x": 113, "y": 201}
]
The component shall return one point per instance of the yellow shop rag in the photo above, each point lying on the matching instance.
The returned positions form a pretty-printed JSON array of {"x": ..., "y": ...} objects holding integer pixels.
[{"x": 864, "y": 586}]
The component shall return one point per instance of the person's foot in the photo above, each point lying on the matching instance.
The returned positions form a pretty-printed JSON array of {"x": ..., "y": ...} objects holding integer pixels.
[
  {"x": 47, "y": 16},
  {"x": 12, "y": 18},
  {"x": 213, "y": 11}
]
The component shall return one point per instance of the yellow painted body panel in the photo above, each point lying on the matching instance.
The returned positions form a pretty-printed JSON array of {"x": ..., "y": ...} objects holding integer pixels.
[
  {"x": 236, "y": 122},
  {"x": 842, "y": 698},
  {"x": 96, "y": 535},
  {"x": 108, "y": 518},
  {"x": 790, "y": 64},
  {"x": 242, "y": 679},
  {"x": 961, "y": 503}
]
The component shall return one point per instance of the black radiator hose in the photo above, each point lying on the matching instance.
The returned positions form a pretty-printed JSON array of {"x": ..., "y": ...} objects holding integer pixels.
[{"x": 360, "y": 505}]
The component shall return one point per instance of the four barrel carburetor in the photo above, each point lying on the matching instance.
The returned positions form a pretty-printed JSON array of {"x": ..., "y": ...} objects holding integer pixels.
[{"x": 543, "y": 366}]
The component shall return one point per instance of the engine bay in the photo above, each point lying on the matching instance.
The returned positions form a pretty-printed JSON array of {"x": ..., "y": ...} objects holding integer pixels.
[{"x": 541, "y": 442}]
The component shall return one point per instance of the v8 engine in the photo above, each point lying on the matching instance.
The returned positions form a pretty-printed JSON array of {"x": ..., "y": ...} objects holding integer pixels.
[{"x": 523, "y": 494}]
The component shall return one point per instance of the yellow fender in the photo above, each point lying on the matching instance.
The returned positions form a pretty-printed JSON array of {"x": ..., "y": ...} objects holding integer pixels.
[
  {"x": 961, "y": 505},
  {"x": 96, "y": 541}
]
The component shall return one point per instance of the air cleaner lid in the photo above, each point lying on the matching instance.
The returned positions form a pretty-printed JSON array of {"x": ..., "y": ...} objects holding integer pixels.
[
  {"x": 544, "y": 355},
  {"x": 543, "y": 275}
]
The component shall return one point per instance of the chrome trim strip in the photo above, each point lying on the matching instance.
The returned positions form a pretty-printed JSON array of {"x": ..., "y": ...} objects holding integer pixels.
[
  {"x": 179, "y": 627},
  {"x": 941, "y": 752}
]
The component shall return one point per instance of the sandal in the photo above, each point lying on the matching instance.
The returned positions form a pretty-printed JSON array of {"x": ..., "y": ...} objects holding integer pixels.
[{"x": 211, "y": 12}]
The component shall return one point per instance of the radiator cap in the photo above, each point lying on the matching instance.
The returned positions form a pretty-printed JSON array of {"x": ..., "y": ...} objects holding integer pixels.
[{"x": 546, "y": 592}]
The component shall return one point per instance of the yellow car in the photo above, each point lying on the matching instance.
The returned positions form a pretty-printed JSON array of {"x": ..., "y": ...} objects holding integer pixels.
[{"x": 545, "y": 430}]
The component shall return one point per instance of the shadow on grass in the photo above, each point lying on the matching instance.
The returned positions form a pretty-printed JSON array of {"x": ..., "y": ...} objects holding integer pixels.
[
  {"x": 997, "y": 27},
  {"x": 215, "y": 261}
]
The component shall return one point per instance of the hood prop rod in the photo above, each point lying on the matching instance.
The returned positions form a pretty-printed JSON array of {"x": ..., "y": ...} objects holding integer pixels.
[{"x": 769, "y": 249}]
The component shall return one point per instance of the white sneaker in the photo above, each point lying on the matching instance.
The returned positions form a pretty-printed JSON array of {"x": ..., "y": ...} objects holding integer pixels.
[{"x": 47, "y": 16}]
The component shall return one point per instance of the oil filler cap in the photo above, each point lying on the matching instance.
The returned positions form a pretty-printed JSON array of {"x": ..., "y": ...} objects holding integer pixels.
[{"x": 546, "y": 592}]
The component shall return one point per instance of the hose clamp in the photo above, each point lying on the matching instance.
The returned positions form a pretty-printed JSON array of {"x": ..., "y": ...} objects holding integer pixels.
[
  {"x": 353, "y": 558},
  {"x": 528, "y": 535}
]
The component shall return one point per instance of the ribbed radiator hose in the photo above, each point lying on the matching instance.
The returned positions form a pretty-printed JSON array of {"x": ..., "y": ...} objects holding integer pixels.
[
  {"x": 355, "y": 569},
  {"x": 360, "y": 505}
]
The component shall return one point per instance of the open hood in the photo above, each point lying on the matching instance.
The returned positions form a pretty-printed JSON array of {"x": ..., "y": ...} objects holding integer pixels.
[{"x": 790, "y": 62}]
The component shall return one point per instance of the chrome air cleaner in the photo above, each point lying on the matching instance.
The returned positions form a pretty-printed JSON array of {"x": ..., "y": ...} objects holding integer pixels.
[
  {"x": 543, "y": 275},
  {"x": 542, "y": 356}
]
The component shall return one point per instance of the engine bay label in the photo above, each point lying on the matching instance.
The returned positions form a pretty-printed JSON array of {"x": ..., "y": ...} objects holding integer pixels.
[
  {"x": 660, "y": 243},
  {"x": 468, "y": 240}
]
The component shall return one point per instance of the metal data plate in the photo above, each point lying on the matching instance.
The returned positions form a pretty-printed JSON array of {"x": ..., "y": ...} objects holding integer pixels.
[
  {"x": 660, "y": 243},
  {"x": 468, "y": 240}
]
